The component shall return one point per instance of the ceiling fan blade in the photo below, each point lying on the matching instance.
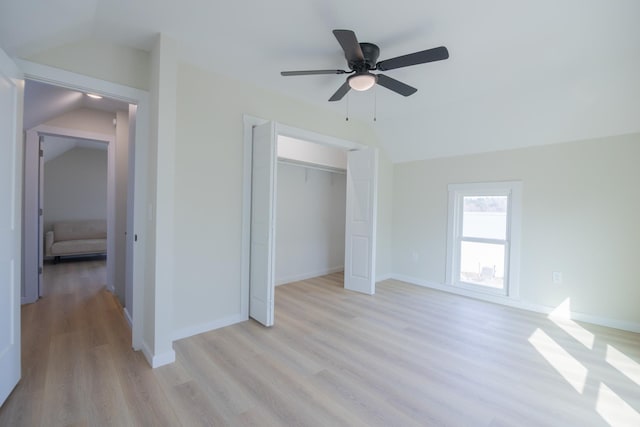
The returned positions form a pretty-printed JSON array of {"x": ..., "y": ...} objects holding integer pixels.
[
  {"x": 350, "y": 45},
  {"x": 422, "y": 57},
  {"x": 396, "y": 85},
  {"x": 341, "y": 92},
  {"x": 310, "y": 72}
]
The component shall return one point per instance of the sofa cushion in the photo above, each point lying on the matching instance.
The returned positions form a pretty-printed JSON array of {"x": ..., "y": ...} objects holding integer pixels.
[
  {"x": 83, "y": 246},
  {"x": 74, "y": 230}
]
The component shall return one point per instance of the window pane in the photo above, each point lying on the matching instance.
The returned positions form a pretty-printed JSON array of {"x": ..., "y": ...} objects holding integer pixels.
[
  {"x": 482, "y": 264},
  {"x": 485, "y": 217}
]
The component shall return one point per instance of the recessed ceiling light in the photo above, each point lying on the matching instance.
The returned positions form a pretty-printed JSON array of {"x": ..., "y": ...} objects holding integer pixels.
[{"x": 94, "y": 96}]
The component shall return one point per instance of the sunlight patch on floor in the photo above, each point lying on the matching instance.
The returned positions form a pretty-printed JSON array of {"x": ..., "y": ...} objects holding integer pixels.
[
  {"x": 623, "y": 363},
  {"x": 561, "y": 316},
  {"x": 567, "y": 366},
  {"x": 614, "y": 409}
]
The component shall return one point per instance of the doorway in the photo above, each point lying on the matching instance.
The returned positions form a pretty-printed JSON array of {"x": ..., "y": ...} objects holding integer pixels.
[
  {"x": 310, "y": 210},
  {"x": 87, "y": 140},
  {"x": 136, "y": 169},
  {"x": 259, "y": 214},
  {"x": 65, "y": 143}
]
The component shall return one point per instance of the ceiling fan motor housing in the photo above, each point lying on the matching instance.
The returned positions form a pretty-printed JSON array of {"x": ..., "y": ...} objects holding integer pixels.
[{"x": 371, "y": 53}]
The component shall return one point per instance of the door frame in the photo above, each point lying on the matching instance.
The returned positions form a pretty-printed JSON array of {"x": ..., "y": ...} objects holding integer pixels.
[
  {"x": 281, "y": 130},
  {"x": 137, "y": 182},
  {"x": 11, "y": 252},
  {"x": 33, "y": 234}
]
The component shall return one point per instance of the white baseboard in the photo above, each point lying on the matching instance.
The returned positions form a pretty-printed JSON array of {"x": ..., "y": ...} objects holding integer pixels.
[
  {"x": 384, "y": 277},
  {"x": 160, "y": 359},
  {"x": 611, "y": 323},
  {"x": 206, "y": 327},
  {"x": 305, "y": 276},
  {"x": 128, "y": 317},
  {"x": 524, "y": 305}
]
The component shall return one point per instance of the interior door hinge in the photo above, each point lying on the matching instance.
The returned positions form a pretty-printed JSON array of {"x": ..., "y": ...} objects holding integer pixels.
[
  {"x": 40, "y": 211},
  {"x": 41, "y": 153},
  {"x": 39, "y": 270}
]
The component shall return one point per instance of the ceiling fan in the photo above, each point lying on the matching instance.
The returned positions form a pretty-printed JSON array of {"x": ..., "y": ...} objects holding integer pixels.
[{"x": 361, "y": 59}]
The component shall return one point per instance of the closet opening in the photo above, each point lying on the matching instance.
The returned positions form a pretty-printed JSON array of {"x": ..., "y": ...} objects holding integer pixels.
[
  {"x": 310, "y": 211},
  {"x": 302, "y": 152}
]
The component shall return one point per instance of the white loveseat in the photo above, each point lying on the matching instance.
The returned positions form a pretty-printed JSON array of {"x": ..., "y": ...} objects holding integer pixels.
[{"x": 76, "y": 238}]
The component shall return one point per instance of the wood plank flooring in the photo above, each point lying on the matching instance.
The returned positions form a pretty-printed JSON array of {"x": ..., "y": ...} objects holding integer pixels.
[{"x": 407, "y": 356}]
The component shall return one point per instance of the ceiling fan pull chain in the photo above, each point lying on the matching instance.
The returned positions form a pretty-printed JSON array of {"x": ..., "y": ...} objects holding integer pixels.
[
  {"x": 347, "y": 119},
  {"x": 375, "y": 104}
]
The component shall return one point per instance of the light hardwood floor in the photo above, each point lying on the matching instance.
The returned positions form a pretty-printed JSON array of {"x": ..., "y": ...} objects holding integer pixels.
[{"x": 407, "y": 356}]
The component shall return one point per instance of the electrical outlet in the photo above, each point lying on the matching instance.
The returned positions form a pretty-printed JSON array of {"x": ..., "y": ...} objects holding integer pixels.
[{"x": 557, "y": 277}]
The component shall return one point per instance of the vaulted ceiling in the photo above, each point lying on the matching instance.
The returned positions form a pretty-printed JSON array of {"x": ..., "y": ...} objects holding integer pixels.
[
  {"x": 43, "y": 102},
  {"x": 520, "y": 73}
]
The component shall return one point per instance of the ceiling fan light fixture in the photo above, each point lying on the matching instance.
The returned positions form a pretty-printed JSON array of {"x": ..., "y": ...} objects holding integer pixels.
[{"x": 362, "y": 81}]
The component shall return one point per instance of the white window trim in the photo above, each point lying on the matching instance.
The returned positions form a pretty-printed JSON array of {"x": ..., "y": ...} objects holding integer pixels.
[{"x": 513, "y": 189}]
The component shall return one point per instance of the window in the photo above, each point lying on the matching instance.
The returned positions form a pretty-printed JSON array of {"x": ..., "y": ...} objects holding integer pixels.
[{"x": 484, "y": 237}]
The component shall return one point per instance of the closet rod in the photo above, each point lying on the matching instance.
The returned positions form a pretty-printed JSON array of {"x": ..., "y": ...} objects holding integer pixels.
[{"x": 311, "y": 166}]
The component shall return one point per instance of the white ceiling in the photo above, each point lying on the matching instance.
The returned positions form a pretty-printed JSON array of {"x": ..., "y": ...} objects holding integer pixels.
[
  {"x": 520, "y": 73},
  {"x": 43, "y": 102},
  {"x": 55, "y": 146}
]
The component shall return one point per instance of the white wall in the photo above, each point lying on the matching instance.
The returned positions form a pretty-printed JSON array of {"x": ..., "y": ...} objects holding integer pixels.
[
  {"x": 580, "y": 217},
  {"x": 310, "y": 221},
  {"x": 106, "y": 61},
  {"x": 384, "y": 256},
  {"x": 57, "y": 146},
  {"x": 75, "y": 186},
  {"x": 159, "y": 286}
]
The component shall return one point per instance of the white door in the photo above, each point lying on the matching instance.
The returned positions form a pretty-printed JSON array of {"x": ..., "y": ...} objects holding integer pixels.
[
  {"x": 11, "y": 91},
  {"x": 263, "y": 179},
  {"x": 360, "y": 226}
]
